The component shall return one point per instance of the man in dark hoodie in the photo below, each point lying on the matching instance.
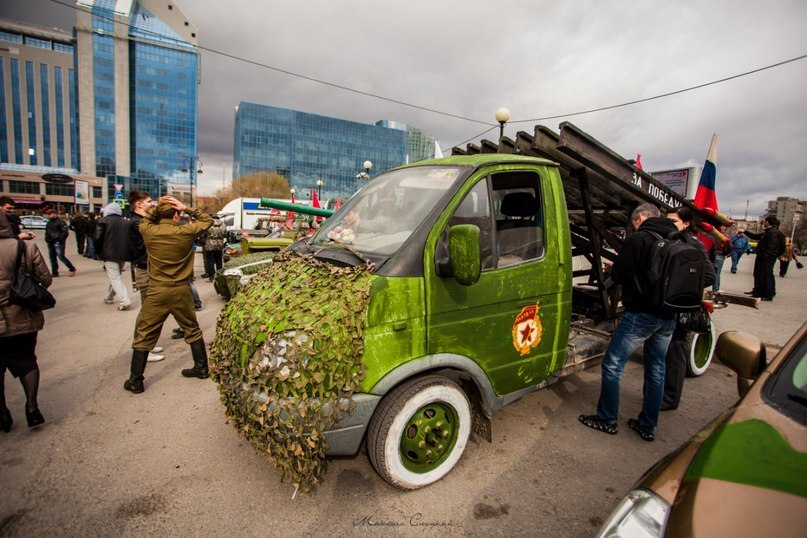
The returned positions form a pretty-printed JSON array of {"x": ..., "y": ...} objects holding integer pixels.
[
  {"x": 642, "y": 322},
  {"x": 113, "y": 246}
]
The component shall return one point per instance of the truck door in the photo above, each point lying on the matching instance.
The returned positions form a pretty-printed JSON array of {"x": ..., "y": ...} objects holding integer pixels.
[{"x": 509, "y": 322}]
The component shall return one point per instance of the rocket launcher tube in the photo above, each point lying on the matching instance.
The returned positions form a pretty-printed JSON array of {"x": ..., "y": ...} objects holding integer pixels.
[
  {"x": 718, "y": 216},
  {"x": 297, "y": 208},
  {"x": 713, "y": 232}
]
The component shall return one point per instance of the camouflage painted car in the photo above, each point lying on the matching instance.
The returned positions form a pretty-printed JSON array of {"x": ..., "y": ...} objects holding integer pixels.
[{"x": 745, "y": 474}]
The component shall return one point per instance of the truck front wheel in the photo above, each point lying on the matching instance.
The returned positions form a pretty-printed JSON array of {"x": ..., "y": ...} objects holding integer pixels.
[{"x": 419, "y": 432}]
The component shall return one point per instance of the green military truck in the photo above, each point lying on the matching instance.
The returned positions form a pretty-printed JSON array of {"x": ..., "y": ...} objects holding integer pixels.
[{"x": 485, "y": 281}]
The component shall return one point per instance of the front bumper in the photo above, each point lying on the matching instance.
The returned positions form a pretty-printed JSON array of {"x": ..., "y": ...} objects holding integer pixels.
[{"x": 345, "y": 438}]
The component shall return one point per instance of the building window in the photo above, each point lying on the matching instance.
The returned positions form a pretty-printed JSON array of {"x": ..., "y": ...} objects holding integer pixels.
[
  {"x": 16, "y": 105},
  {"x": 57, "y": 189},
  {"x": 38, "y": 43},
  {"x": 23, "y": 187},
  {"x": 97, "y": 192},
  {"x": 63, "y": 47},
  {"x": 3, "y": 122},
  {"x": 8, "y": 36},
  {"x": 57, "y": 82}
]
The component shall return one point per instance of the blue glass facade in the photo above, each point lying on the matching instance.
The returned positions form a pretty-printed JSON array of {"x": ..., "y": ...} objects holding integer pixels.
[
  {"x": 59, "y": 96},
  {"x": 44, "y": 86},
  {"x": 306, "y": 147},
  {"x": 3, "y": 123},
  {"x": 163, "y": 94},
  {"x": 30, "y": 91},
  {"x": 103, "y": 49},
  {"x": 75, "y": 153},
  {"x": 16, "y": 109}
]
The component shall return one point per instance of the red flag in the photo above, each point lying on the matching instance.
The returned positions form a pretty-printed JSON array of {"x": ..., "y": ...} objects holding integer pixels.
[
  {"x": 315, "y": 201},
  {"x": 290, "y": 217},
  {"x": 639, "y": 161}
]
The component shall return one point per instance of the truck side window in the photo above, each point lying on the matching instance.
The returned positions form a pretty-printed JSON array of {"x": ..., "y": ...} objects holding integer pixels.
[
  {"x": 519, "y": 217},
  {"x": 475, "y": 209}
]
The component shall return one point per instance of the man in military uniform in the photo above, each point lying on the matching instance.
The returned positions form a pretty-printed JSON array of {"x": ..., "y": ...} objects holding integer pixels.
[{"x": 169, "y": 245}]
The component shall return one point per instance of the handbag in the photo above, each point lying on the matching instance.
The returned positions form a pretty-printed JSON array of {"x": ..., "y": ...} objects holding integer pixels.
[
  {"x": 799, "y": 265},
  {"x": 697, "y": 321},
  {"x": 26, "y": 289}
]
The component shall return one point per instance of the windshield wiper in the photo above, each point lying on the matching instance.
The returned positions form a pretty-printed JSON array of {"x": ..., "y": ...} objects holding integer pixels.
[
  {"x": 798, "y": 398},
  {"x": 370, "y": 265}
]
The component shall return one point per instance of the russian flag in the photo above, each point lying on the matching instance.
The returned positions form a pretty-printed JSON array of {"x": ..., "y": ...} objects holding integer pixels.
[{"x": 705, "y": 195}]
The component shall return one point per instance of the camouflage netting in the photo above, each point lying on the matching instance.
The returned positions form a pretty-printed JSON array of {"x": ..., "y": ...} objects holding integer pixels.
[{"x": 288, "y": 356}]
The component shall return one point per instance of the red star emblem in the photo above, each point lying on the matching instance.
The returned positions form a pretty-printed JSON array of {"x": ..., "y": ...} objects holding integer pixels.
[{"x": 526, "y": 332}]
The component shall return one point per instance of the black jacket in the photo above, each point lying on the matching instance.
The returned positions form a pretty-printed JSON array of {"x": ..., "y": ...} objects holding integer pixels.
[
  {"x": 79, "y": 225},
  {"x": 631, "y": 266},
  {"x": 56, "y": 231},
  {"x": 138, "y": 255},
  {"x": 771, "y": 243},
  {"x": 112, "y": 239}
]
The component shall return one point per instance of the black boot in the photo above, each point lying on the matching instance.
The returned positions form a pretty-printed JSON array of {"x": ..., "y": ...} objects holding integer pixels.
[
  {"x": 135, "y": 382},
  {"x": 199, "y": 361}
]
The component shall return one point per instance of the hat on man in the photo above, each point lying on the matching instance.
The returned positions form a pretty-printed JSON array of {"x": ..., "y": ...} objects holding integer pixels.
[
  {"x": 164, "y": 205},
  {"x": 741, "y": 230},
  {"x": 50, "y": 211}
]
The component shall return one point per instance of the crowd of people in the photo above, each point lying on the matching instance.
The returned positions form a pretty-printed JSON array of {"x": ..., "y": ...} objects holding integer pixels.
[{"x": 157, "y": 240}]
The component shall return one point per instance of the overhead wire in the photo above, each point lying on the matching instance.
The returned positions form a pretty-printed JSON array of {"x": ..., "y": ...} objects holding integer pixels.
[{"x": 449, "y": 114}]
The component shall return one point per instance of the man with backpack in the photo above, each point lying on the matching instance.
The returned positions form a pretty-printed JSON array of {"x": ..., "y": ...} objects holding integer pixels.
[
  {"x": 676, "y": 357},
  {"x": 643, "y": 321}
]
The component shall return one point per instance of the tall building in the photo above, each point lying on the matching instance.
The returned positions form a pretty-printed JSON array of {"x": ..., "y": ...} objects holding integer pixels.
[
  {"x": 137, "y": 67},
  {"x": 306, "y": 148},
  {"x": 38, "y": 112},
  {"x": 787, "y": 210},
  {"x": 39, "y": 145},
  {"x": 116, "y": 100}
]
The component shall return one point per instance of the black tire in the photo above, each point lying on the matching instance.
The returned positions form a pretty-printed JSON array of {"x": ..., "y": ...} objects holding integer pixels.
[{"x": 433, "y": 409}]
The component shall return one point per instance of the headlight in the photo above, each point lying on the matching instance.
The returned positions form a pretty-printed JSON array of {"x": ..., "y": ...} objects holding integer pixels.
[{"x": 641, "y": 513}]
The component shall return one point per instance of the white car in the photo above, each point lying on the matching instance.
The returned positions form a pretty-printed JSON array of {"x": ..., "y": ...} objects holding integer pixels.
[{"x": 33, "y": 221}]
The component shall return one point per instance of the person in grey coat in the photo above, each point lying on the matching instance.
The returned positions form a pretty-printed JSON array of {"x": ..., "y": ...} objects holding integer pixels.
[{"x": 19, "y": 326}]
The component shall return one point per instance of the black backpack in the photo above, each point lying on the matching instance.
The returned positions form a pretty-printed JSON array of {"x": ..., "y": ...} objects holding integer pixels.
[{"x": 676, "y": 273}]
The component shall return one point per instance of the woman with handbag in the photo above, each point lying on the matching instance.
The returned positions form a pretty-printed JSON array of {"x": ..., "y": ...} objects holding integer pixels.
[{"x": 19, "y": 325}]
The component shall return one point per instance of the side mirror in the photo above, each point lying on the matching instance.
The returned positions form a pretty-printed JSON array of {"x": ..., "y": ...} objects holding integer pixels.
[
  {"x": 464, "y": 253},
  {"x": 745, "y": 354}
]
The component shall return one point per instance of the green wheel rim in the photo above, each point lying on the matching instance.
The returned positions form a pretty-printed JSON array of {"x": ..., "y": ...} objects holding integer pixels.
[
  {"x": 702, "y": 348},
  {"x": 429, "y": 437}
]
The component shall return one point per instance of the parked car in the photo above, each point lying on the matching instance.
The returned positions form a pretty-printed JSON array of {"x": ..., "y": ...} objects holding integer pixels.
[
  {"x": 745, "y": 474},
  {"x": 33, "y": 221},
  {"x": 275, "y": 241},
  {"x": 239, "y": 271}
]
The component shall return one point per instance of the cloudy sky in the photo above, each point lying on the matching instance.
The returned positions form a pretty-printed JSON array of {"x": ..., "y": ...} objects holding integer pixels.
[{"x": 538, "y": 58}]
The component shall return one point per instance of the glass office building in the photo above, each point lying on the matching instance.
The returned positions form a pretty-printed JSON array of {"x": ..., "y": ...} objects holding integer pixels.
[
  {"x": 138, "y": 74},
  {"x": 305, "y": 147},
  {"x": 36, "y": 113}
]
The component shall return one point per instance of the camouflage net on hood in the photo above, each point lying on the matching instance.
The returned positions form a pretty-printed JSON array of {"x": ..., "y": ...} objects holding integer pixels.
[{"x": 287, "y": 358}]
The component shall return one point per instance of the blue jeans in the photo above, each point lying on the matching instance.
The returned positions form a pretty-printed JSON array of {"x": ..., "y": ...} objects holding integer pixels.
[
  {"x": 56, "y": 250},
  {"x": 634, "y": 329},
  {"x": 718, "y": 267},
  {"x": 735, "y": 259}
]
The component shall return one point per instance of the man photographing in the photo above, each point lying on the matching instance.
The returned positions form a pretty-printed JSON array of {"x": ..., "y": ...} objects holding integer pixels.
[{"x": 169, "y": 246}]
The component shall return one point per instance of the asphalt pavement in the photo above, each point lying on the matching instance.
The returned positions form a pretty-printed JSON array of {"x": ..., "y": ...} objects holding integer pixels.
[{"x": 107, "y": 462}]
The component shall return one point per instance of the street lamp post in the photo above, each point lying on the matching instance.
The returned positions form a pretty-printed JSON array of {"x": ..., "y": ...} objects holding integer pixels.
[
  {"x": 502, "y": 116},
  {"x": 368, "y": 165},
  {"x": 319, "y": 188},
  {"x": 194, "y": 168}
]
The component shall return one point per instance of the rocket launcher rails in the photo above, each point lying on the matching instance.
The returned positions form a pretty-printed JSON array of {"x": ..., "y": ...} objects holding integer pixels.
[
  {"x": 297, "y": 208},
  {"x": 719, "y": 217}
]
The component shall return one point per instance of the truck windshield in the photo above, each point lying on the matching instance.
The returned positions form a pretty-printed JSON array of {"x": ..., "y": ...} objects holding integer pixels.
[{"x": 384, "y": 213}]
